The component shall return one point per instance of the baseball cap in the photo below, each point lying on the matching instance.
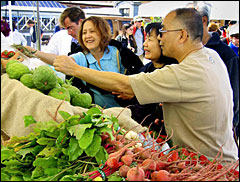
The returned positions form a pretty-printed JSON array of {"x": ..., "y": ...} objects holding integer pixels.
[
  {"x": 138, "y": 18},
  {"x": 234, "y": 29}
]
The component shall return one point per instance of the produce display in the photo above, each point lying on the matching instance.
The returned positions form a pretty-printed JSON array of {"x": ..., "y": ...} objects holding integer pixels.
[
  {"x": 93, "y": 146},
  {"x": 45, "y": 80}
]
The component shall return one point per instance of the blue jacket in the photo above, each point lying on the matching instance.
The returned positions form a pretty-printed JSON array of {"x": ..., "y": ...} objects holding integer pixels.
[{"x": 231, "y": 61}]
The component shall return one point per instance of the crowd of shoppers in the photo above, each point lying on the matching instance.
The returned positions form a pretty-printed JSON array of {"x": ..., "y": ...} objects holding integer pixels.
[
  {"x": 196, "y": 93},
  {"x": 199, "y": 92}
]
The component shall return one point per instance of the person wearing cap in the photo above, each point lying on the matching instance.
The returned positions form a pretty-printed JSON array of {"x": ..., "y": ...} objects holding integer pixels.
[
  {"x": 234, "y": 38},
  {"x": 231, "y": 60},
  {"x": 33, "y": 29},
  {"x": 139, "y": 35}
]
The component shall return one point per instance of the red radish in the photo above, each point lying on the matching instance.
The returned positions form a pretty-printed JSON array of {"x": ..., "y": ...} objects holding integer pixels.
[
  {"x": 119, "y": 137},
  {"x": 112, "y": 162},
  {"x": 145, "y": 179},
  {"x": 146, "y": 154},
  {"x": 127, "y": 159},
  {"x": 163, "y": 175},
  {"x": 149, "y": 164},
  {"x": 135, "y": 174},
  {"x": 138, "y": 149},
  {"x": 181, "y": 165},
  {"x": 120, "y": 152},
  {"x": 153, "y": 176},
  {"x": 123, "y": 170},
  {"x": 128, "y": 152}
]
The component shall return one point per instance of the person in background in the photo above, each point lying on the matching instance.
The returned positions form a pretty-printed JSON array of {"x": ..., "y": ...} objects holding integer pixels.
[
  {"x": 57, "y": 28},
  {"x": 33, "y": 32},
  {"x": 234, "y": 38},
  {"x": 213, "y": 27},
  {"x": 127, "y": 38},
  {"x": 231, "y": 60},
  {"x": 71, "y": 19},
  {"x": 16, "y": 37},
  {"x": 139, "y": 35},
  {"x": 196, "y": 93},
  {"x": 5, "y": 29},
  {"x": 227, "y": 38},
  {"x": 152, "y": 52}
]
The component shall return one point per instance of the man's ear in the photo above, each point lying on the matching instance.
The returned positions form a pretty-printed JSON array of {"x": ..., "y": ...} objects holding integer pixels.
[
  {"x": 205, "y": 21},
  {"x": 80, "y": 21},
  {"x": 183, "y": 36}
]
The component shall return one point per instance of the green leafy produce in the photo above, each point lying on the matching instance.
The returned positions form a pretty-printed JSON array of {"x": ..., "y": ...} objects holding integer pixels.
[
  {"x": 44, "y": 78},
  {"x": 60, "y": 93},
  {"x": 16, "y": 70},
  {"x": 57, "y": 151},
  {"x": 27, "y": 80},
  {"x": 82, "y": 100}
]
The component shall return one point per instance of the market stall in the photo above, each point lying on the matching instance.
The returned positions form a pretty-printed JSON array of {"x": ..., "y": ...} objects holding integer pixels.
[{"x": 49, "y": 138}]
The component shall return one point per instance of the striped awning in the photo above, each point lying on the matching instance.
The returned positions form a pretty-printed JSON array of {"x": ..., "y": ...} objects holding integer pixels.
[{"x": 45, "y": 4}]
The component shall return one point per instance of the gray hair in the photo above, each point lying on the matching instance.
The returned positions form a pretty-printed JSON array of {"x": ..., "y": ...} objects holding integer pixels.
[{"x": 204, "y": 10}]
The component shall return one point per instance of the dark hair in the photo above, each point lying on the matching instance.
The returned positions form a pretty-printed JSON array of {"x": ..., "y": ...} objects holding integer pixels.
[
  {"x": 5, "y": 29},
  {"x": 14, "y": 26},
  {"x": 162, "y": 59},
  {"x": 103, "y": 28},
  {"x": 73, "y": 13},
  {"x": 191, "y": 20},
  {"x": 124, "y": 29},
  {"x": 30, "y": 21},
  {"x": 152, "y": 26},
  {"x": 232, "y": 22}
]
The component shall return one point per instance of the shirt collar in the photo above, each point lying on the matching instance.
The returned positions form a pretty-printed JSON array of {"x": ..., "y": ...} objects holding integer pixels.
[{"x": 106, "y": 56}]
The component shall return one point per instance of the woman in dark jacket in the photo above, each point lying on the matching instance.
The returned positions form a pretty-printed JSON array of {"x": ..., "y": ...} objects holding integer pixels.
[
  {"x": 127, "y": 37},
  {"x": 152, "y": 52}
]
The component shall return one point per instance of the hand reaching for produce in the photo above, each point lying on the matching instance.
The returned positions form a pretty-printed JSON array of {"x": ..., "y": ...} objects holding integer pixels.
[
  {"x": 64, "y": 64},
  {"x": 26, "y": 50}
]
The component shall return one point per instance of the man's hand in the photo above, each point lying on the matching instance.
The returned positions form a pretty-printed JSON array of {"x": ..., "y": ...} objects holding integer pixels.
[{"x": 65, "y": 64}]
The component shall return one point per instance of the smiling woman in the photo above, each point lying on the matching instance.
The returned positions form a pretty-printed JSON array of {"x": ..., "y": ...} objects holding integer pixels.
[{"x": 94, "y": 37}]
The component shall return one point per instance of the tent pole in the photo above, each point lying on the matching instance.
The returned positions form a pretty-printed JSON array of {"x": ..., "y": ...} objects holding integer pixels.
[{"x": 38, "y": 28}]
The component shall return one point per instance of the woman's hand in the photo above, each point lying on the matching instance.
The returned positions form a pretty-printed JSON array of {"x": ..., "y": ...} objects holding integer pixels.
[
  {"x": 123, "y": 96},
  {"x": 65, "y": 64}
]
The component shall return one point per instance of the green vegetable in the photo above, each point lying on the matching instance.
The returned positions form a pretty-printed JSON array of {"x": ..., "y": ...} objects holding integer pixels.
[{"x": 57, "y": 151}]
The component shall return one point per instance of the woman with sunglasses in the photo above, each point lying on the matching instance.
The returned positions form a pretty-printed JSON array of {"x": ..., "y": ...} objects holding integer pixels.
[{"x": 127, "y": 38}]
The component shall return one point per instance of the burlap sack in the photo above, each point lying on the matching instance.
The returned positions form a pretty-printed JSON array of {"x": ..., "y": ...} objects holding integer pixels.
[{"x": 18, "y": 101}]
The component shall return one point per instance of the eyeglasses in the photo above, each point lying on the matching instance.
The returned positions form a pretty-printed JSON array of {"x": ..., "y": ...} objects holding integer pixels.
[{"x": 164, "y": 31}]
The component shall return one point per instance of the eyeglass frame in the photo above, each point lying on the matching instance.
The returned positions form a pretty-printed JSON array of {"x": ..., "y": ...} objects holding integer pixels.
[{"x": 165, "y": 31}]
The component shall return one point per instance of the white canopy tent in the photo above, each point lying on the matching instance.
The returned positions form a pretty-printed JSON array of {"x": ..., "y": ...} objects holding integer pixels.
[
  {"x": 220, "y": 10},
  {"x": 160, "y": 8},
  {"x": 224, "y": 10}
]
